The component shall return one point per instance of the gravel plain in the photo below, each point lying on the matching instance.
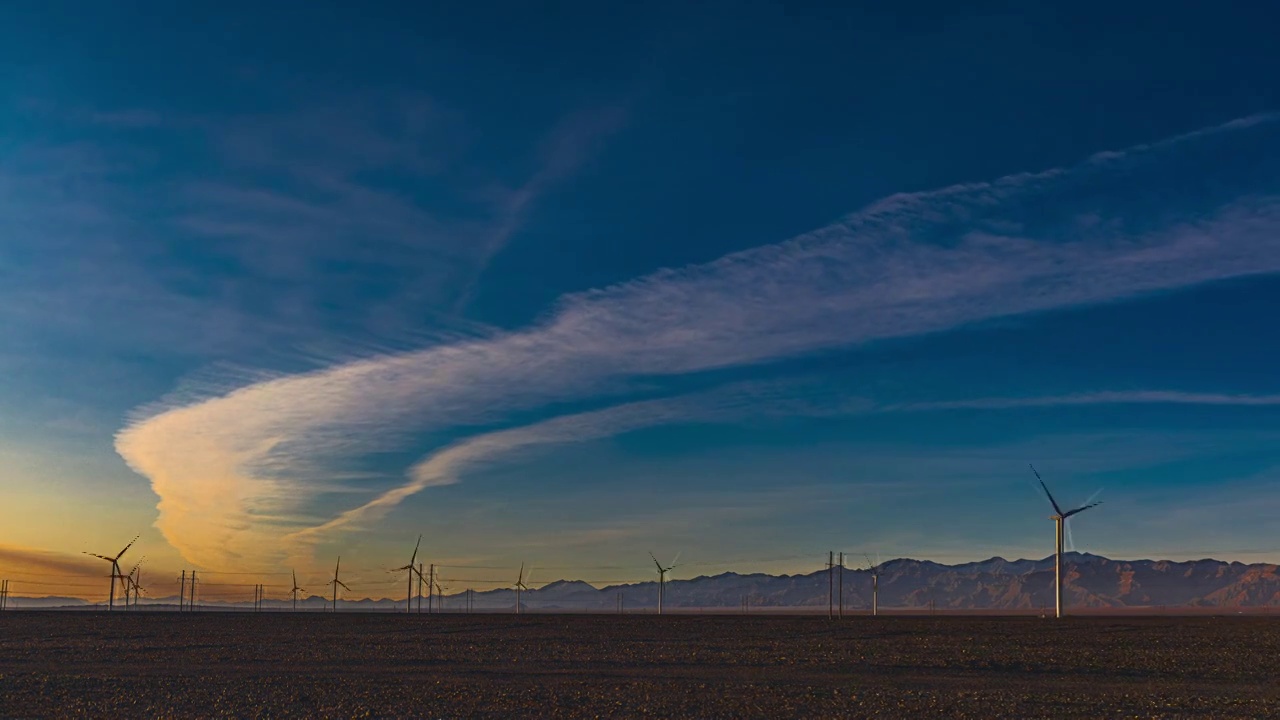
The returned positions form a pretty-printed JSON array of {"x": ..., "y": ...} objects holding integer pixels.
[{"x": 82, "y": 664}]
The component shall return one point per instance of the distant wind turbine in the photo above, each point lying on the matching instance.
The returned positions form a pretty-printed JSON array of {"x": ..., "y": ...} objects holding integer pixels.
[
  {"x": 408, "y": 598},
  {"x": 296, "y": 589},
  {"x": 875, "y": 583},
  {"x": 337, "y": 583},
  {"x": 520, "y": 587},
  {"x": 115, "y": 570},
  {"x": 662, "y": 578},
  {"x": 440, "y": 592},
  {"x": 135, "y": 582},
  {"x": 1060, "y": 519}
]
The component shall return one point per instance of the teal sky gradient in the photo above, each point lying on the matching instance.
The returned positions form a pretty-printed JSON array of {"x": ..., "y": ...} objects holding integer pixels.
[{"x": 742, "y": 282}]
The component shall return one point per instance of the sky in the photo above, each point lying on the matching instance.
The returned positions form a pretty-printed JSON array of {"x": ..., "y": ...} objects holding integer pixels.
[{"x": 744, "y": 282}]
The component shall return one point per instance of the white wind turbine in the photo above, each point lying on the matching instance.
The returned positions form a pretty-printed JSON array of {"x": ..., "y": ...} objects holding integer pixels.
[
  {"x": 662, "y": 578},
  {"x": 875, "y": 583},
  {"x": 296, "y": 590},
  {"x": 408, "y": 598},
  {"x": 336, "y": 582},
  {"x": 115, "y": 570},
  {"x": 520, "y": 587},
  {"x": 1060, "y": 520},
  {"x": 133, "y": 583}
]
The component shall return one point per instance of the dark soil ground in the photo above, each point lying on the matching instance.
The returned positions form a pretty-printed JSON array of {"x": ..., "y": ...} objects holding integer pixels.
[{"x": 378, "y": 665}]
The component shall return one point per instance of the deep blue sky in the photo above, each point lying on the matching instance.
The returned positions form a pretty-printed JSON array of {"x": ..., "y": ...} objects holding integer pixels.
[{"x": 512, "y": 221}]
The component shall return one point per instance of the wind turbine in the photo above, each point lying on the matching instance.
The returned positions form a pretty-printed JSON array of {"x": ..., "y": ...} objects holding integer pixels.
[
  {"x": 662, "y": 578},
  {"x": 520, "y": 587},
  {"x": 1060, "y": 520},
  {"x": 875, "y": 583},
  {"x": 135, "y": 582},
  {"x": 115, "y": 570},
  {"x": 336, "y": 582},
  {"x": 440, "y": 592},
  {"x": 296, "y": 590},
  {"x": 408, "y": 598}
]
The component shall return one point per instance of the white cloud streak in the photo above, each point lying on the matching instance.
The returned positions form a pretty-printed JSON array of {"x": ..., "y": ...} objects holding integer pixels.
[
  {"x": 909, "y": 265},
  {"x": 1121, "y": 397}
]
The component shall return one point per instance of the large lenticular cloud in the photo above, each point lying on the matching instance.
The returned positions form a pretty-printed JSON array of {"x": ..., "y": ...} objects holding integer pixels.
[{"x": 236, "y": 472}]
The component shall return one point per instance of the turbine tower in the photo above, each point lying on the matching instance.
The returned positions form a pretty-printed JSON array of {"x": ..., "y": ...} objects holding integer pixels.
[
  {"x": 408, "y": 598},
  {"x": 115, "y": 570},
  {"x": 336, "y": 583},
  {"x": 520, "y": 587},
  {"x": 662, "y": 578},
  {"x": 295, "y": 590},
  {"x": 1059, "y": 519}
]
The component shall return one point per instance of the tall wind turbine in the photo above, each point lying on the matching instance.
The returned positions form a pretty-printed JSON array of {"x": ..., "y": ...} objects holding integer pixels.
[
  {"x": 1059, "y": 519},
  {"x": 296, "y": 590},
  {"x": 131, "y": 583},
  {"x": 662, "y": 578},
  {"x": 408, "y": 598},
  {"x": 336, "y": 582},
  {"x": 115, "y": 570},
  {"x": 520, "y": 587},
  {"x": 135, "y": 581},
  {"x": 875, "y": 583}
]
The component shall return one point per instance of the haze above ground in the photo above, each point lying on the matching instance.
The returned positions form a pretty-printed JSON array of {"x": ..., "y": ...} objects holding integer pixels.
[{"x": 743, "y": 281}]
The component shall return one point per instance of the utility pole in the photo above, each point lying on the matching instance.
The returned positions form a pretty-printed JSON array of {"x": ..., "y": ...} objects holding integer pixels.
[
  {"x": 191, "y": 605},
  {"x": 4, "y": 595},
  {"x": 831, "y": 584},
  {"x": 431, "y": 584},
  {"x": 182, "y": 591},
  {"x": 419, "y": 588},
  {"x": 840, "y": 594}
]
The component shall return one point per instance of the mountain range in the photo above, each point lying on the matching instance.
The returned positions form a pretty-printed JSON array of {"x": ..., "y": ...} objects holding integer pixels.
[{"x": 996, "y": 584}]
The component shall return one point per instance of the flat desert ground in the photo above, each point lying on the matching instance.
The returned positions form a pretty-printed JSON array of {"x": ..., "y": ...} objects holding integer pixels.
[{"x": 93, "y": 664}]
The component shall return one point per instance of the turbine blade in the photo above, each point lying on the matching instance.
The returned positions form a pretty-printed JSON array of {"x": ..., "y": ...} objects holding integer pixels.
[
  {"x": 1046, "y": 491},
  {"x": 126, "y": 547},
  {"x": 676, "y": 559},
  {"x": 414, "y": 559},
  {"x": 1080, "y": 509},
  {"x": 104, "y": 557},
  {"x": 655, "y": 562},
  {"x": 1071, "y": 541}
]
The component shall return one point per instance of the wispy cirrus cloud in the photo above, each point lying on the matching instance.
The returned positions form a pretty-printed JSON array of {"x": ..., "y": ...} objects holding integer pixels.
[
  {"x": 1110, "y": 397},
  {"x": 1120, "y": 224},
  {"x": 365, "y": 218}
]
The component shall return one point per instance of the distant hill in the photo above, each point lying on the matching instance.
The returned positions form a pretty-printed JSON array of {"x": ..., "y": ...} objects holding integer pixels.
[{"x": 995, "y": 584}]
